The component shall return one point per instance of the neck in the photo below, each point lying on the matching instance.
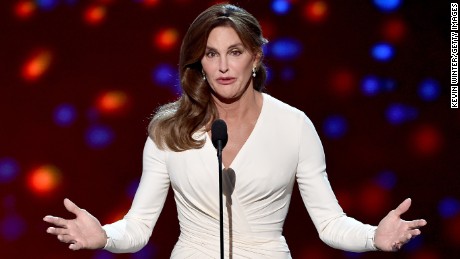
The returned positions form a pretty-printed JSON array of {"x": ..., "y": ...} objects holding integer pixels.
[{"x": 248, "y": 105}]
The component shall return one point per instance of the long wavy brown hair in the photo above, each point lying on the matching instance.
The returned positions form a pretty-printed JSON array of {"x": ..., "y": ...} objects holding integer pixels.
[{"x": 174, "y": 123}]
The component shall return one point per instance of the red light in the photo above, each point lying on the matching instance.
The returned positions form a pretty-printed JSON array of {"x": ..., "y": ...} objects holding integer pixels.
[
  {"x": 374, "y": 201},
  {"x": 342, "y": 83},
  {"x": 315, "y": 11},
  {"x": 150, "y": 3},
  {"x": 268, "y": 29},
  {"x": 95, "y": 14},
  {"x": 25, "y": 9},
  {"x": 426, "y": 141},
  {"x": 36, "y": 65},
  {"x": 166, "y": 39},
  {"x": 112, "y": 102},
  {"x": 394, "y": 30},
  {"x": 44, "y": 180}
]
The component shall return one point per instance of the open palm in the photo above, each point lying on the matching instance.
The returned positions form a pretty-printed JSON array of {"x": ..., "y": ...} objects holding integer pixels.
[
  {"x": 82, "y": 232},
  {"x": 393, "y": 232}
]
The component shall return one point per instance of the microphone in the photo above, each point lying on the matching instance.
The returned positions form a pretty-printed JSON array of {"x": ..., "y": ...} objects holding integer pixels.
[
  {"x": 219, "y": 139},
  {"x": 219, "y": 135}
]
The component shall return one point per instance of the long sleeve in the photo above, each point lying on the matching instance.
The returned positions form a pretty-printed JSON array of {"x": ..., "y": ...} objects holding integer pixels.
[
  {"x": 334, "y": 227},
  {"x": 133, "y": 232}
]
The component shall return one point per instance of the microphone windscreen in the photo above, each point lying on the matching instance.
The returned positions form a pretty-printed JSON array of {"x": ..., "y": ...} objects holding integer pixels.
[{"x": 219, "y": 132}]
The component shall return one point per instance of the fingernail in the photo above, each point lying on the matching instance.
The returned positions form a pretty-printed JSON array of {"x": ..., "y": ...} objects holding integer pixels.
[{"x": 49, "y": 229}]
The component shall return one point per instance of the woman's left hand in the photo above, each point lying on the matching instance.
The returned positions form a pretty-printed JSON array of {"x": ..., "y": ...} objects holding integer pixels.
[{"x": 393, "y": 232}]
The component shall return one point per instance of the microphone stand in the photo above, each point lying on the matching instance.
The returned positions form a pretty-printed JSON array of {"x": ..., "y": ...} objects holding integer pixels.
[{"x": 221, "y": 206}]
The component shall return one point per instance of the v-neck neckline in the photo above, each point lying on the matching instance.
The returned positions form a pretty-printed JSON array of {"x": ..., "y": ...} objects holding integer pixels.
[{"x": 249, "y": 139}]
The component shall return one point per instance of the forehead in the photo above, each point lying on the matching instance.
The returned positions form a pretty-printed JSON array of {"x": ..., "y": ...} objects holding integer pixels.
[{"x": 223, "y": 36}]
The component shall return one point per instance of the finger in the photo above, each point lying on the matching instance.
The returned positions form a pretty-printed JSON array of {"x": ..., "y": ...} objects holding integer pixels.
[
  {"x": 417, "y": 223},
  {"x": 75, "y": 246},
  {"x": 403, "y": 207},
  {"x": 72, "y": 207},
  {"x": 66, "y": 238},
  {"x": 57, "y": 231},
  {"x": 60, "y": 222}
]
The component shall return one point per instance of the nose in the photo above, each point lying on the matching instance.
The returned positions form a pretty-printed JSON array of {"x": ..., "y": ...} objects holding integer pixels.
[{"x": 223, "y": 66}]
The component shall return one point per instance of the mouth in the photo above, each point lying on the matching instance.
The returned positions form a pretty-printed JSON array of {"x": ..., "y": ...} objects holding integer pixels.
[{"x": 226, "y": 80}]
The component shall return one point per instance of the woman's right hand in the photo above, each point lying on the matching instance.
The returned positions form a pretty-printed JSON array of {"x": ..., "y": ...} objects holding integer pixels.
[{"x": 83, "y": 232}]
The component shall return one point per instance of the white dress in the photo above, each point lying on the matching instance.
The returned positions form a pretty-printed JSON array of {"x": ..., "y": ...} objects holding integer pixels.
[{"x": 282, "y": 148}]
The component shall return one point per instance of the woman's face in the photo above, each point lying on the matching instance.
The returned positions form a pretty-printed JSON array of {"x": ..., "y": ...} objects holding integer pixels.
[{"x": 227, "y": 64}]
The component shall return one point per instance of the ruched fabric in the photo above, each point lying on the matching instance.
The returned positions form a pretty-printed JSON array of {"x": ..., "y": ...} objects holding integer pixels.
[{"x": 282, "y": 148}]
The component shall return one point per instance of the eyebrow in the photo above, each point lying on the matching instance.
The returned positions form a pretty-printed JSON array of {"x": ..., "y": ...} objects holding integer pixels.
[{"x": 229, "y": 47}]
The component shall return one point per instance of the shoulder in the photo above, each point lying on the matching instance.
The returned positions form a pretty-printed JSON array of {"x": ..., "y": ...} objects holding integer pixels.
[{"x": 281, "y": 110}]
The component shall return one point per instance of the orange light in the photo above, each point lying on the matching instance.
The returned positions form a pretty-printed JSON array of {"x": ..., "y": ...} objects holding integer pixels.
[
  {"x": 44, "y": 179},
  {"x": 95, "y": 14},
  {"x": 166, "y": 39},
  {"x": 36, "y": 65},
  {"x": 112, "y": 102},
  {"x": 316, "y": 11},
  {"x": 25, "y": 9}
]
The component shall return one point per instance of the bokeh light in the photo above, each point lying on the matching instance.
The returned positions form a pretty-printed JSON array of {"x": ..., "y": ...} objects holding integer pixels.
[
  {"x": 65, "y": 115},
  {"x": 386, "y": 179},
  {"x": 95, "y": 14},
  {"x": 12, "y": 227},
  {"x": 387, "y": 5},
  {"x": 426, "y": 140},
  {"x": 99, "y": 136},
  {"x": 382, "y": 52},
  {"x": 398, "y": 113},
  {"x": 449, "y": 207},
  {"x": 9, "y": 169},
  {"x": 315, "y": 11},
  {"x": 343, "y": 83},
  {"x": 25, "y": 9},
  {"x": 335, "y": 126},
  {"x": 44, "y": 180},
  {"x": 113, "y": 102},
  {"x": 166, "y": 39},
  {"x": 46, "y": 5},
  {"x": 281, "y": 6},
  {"x": 394, "y": 30},
  {"x": 370, "y": 85},
  {"x": 429, "y": 90},
  {"x": 36, "y": 65},
  {"x": 285, "y": 49}
]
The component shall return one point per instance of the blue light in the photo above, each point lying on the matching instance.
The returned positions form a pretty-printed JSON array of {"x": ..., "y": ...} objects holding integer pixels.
[
  {"x": 399, "y": 113},
  {"x": 165, "y": 75},
  {"x": 449, "y": 207},
  {"x": 47, "y": 5},
  {"x": 281, "y": 6},
  {"x": 285, "y": 49},
  {"x": 386, "y": 180},
  {"x": 382, "y": 52},
  {"x": 287, "y": 74},
  {"x": 12, "y": 227},
  {"x": 103, "y": 254},
  {"x": 335, "y": 126},
  {"x": 149, "y": 251},
  {"x": 99, "y": 136},
  {"x": 370, "y": 86},
  {"x": 429, "y": 90},
  {"x": 132, "y": 188},
  {"x": 9, "y": 169},
  {"x": 64, "y": 115},
  {"x": 387, "y": 5}
]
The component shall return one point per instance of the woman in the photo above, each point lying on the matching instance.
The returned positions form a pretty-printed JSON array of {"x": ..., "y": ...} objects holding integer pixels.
[{"x": 270, "y": 145}]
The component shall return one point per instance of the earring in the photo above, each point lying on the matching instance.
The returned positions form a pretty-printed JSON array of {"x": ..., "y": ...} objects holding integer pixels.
[
  {"x": 254, "y": 72},
  {"x": 204, "y": 75}
]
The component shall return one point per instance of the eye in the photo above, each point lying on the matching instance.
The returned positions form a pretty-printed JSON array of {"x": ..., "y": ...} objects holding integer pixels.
[
  {"x": 211, "y": 54},
  {"x": 235, "y": 52}
]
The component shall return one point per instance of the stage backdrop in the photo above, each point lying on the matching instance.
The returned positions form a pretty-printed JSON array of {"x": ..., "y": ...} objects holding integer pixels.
[{"x": 79, "y": 81}]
